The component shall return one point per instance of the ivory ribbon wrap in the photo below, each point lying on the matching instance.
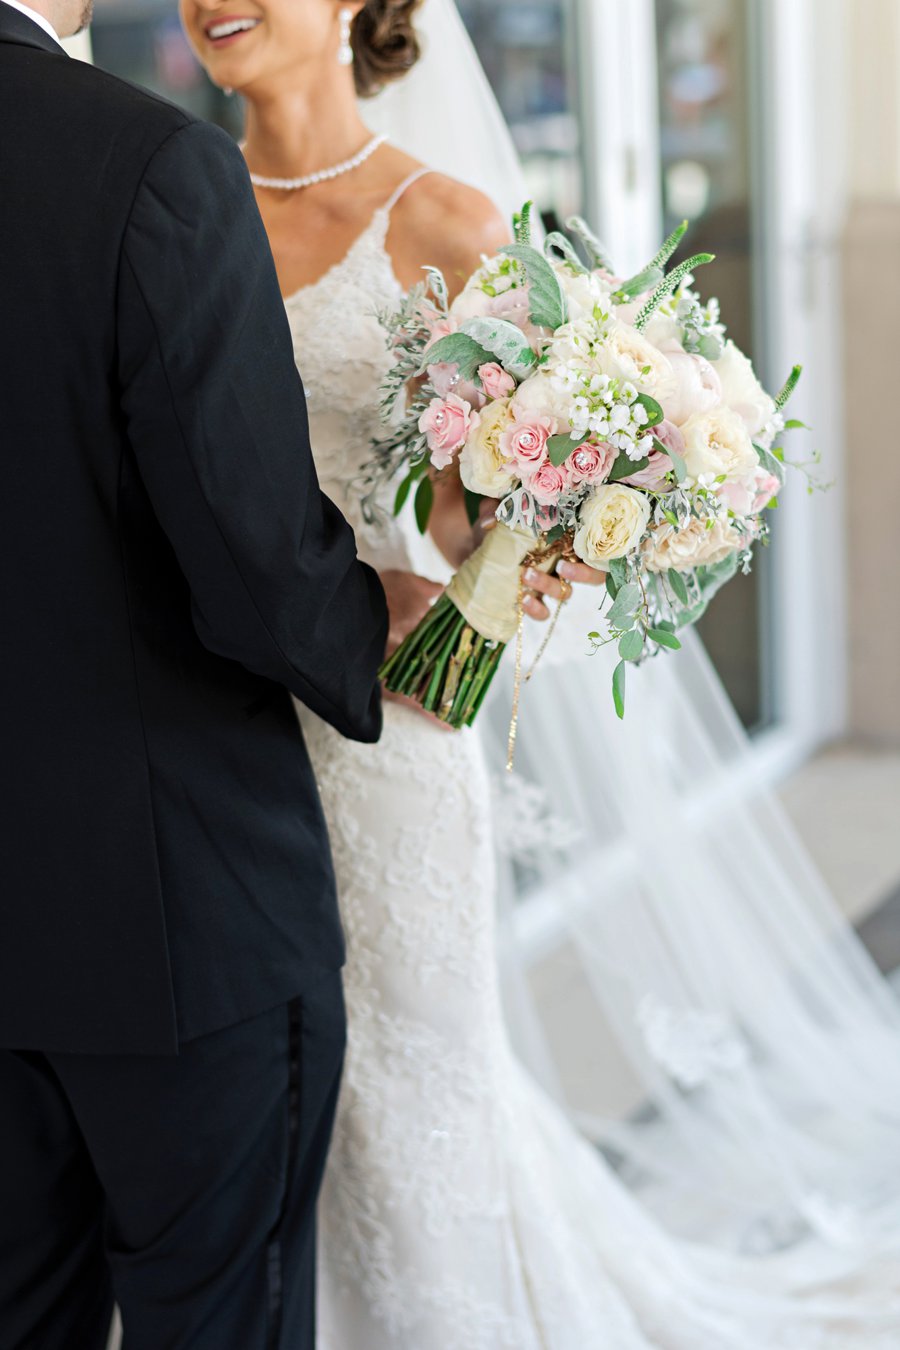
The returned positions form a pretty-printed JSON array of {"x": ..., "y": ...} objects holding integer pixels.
[{"x": 485, "y": 590}]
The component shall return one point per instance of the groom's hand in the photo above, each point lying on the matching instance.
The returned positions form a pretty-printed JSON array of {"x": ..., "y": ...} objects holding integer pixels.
[{"x": 409, "y": 599}]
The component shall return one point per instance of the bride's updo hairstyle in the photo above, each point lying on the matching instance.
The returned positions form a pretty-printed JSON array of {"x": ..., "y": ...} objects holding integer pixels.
[{"x": 385, "y": 44}]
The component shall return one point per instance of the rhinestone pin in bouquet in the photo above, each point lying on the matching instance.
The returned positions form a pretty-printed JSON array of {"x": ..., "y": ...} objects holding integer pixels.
[{"x": 614, "y": 423}]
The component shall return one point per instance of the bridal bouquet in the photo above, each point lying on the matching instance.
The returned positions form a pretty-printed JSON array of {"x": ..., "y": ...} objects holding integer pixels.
[{"x": 613, "y": 421}]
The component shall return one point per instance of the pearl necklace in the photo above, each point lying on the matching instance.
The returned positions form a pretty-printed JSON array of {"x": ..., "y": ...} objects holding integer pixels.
[{"x": 323, "y": 175}]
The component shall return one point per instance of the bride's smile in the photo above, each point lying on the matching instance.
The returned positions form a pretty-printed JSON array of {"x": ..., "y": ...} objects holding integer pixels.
[{"x": 224, "y": 32}]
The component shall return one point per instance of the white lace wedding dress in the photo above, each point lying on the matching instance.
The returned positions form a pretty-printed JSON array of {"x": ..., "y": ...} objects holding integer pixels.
[{"x": 460, "y": 1210}]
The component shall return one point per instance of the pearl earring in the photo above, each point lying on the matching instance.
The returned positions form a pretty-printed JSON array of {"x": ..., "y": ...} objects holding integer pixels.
[{"x": 345, "y": 50}]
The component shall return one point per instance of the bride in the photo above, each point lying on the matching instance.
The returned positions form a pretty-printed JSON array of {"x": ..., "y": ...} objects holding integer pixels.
[{"x": 461, "y": 1209}]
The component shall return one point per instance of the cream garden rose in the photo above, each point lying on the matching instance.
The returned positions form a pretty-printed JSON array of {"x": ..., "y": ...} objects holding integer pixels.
[
  {"x": 717, "y": 443},
  {"x": 483, "y": 466},
  {"x": 693, "y": 546},
  {"x": 625, "y": 354},
  {"x": 612, "y": 522}
]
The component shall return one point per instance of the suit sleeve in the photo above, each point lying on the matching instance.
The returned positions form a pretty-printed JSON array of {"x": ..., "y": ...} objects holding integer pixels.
[{"x": 216, "y": 416}]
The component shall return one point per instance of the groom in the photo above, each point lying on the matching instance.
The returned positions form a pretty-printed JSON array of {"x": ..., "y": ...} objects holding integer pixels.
[{"x": 171, "y": 1022}]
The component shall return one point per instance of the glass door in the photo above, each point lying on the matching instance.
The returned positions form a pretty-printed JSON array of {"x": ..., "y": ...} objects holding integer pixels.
[
  {"x": 142, "y": 41},
  {"x": 526, "y": 47},
  {"x": 709, "y": 148}
]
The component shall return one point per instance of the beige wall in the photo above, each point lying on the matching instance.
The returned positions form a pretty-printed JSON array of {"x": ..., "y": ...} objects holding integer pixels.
[{"x": 871, "y": 308}]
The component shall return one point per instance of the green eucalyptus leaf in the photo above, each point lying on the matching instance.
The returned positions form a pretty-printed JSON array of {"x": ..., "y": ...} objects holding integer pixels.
[
  {"x": 546, "y": 297},
  {"x": 626, "y": 606},
  {"x": 625, "y": 467},
  {"x": 559, "y": 448},
  {"x": 424, "y": 503},
  {"x": 618, "y": 570},
  {"x": 679, "y": 586},
  {"x": 505, "y": 342},
  {"x": 654, "y": 410},
  {"x": 631, "y": 645},
  {"x": 403, "y": 492},
  {"x": 663, "y": 638},
  {"x": 612, "y": 586},
  {"x": 618, "y": 685}
]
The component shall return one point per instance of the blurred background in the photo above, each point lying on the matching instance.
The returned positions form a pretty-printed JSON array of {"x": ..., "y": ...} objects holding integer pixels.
[{"x": 774, "y": 125}]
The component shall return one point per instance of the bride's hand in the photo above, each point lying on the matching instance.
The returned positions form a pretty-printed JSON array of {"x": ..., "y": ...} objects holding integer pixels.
[
  {"x": 409, "y": 598},
  {"x": 556, "y": 586},
  {"x": 539, "y": 584}
]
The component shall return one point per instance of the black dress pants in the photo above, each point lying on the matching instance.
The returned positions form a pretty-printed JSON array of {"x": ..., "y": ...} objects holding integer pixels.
[{"x": 183, "y": 1188}]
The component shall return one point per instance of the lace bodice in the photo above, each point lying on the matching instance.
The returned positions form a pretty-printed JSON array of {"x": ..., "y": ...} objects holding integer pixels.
[{"x": 341, "y": 349}]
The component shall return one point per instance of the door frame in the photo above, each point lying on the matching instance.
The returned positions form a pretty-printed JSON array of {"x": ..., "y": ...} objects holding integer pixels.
[{"x": 798, "y": 84}]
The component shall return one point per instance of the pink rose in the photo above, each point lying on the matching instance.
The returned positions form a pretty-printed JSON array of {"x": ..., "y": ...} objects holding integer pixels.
[
  {"x": 548, "y": 484},
  {"x": 738, "y": 497},
  {"x": 440, "y": 328},
  {"x": 497, "y": 383},
  {"x": 444, "y": 377},
  {"x": 767, "y": 487},
  {"x": 525, "y": 443},
  {"x": 591, "y": 463},
  {"x": 653, "y": 476},
  {"x": 445, "y": 423},
  {"x": 515, "y": 306},
  {"x": 669, "y": 435}
]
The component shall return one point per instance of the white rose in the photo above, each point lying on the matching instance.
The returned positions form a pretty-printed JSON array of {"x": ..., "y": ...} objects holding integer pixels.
[
  {"x": 482, "y": 465},
  {"x": 693, "y": 546},
  {"x": 698, "y": 388},
  {"x": 627, "y": 355},
  {"x": 612, "y": 522},
  {"x": 662, "y": 331},
  {"x": 583, "y": 291},
  {"x": 472, "y": 303},
  {"x": 538, "y": 396},
  {"x": 742, "y": 391},
  {"x": 717, "y": 443}
]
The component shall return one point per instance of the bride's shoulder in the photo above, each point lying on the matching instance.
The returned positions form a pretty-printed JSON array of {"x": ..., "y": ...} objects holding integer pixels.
[{"x": 450, "y": 224}]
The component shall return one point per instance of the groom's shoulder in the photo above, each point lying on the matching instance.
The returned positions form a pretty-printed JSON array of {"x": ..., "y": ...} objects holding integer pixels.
[
  {"x": 108, "y": 100},
  {"x": 128, "y": 122}
]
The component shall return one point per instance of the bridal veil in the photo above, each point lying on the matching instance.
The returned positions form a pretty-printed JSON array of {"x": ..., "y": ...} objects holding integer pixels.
[{"x": 712, "y": 972}]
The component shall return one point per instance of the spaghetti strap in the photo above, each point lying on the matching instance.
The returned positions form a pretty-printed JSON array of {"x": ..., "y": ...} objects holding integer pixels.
[{"x": 407, "y": 183}]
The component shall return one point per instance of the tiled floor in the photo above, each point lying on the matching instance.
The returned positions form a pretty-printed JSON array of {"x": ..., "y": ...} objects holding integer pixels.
[{"x": 846, "y": 807}]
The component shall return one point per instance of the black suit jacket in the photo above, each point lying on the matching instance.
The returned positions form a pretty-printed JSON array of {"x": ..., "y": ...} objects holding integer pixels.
[{"x": 168, "y": 570}]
